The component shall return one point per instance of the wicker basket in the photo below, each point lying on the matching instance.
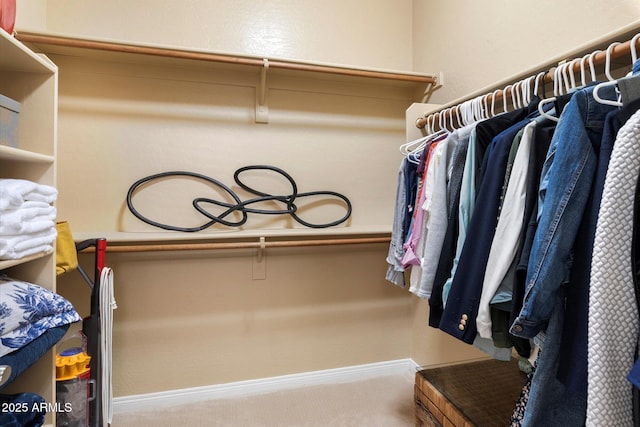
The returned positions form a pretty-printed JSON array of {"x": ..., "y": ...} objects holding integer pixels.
[{"x": 481, "y": 393}]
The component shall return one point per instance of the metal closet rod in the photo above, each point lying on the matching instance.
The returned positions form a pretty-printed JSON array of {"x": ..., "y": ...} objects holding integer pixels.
[
  {"x": 36, "y": 39},
  {"x": 599, "y": 58},
  {"x": 162, "y": 247}
]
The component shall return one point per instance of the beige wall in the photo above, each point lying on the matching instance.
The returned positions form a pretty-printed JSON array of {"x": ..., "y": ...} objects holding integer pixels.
[
  {"x": 476, "y": 44},
  {"x": 369, "y": 34},
  {"x": 196, "y": 319},
  {"x": 201, "y": 315},
  {"x": 189, "y": 319}
]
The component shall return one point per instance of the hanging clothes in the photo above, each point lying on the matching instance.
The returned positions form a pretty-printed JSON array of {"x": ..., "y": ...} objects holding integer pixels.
[
  {"x": 534, "y": 240},
  {"x": 459, "y": 317},
  {"x": 612, "y": 301}
]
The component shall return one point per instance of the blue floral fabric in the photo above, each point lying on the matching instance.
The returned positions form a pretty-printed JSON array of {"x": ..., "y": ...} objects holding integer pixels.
[
  {"x": 27, "y": 311},
  {"x": 22, "y": 410}
]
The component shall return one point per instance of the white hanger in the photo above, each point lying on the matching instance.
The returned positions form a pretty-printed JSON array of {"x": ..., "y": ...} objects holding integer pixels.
[
  {"x": 516, "y": 90},
  {"x": 583, "y": 77},
  {"x": 612, "y": 81},
  {"x": 557, "y": 89},
  {"x": 516, "y": 93},
  {"x": 460, "y": 123},
  {"x": 411, "y": 146},
  {"x": 485, "y": 104},
  {"x": 504, "y": 98},
  {"x": 592, "y": 67},
  {"x": 442, "y": 119},
  {"x": 632, "y": 47},
  {"x": 536, "y": 86},
  {"x": 482, "y": 107},
  {"x": 607, "y": 67},
  {"x": 565, "y": 78},
  {"x": 572, "y": 74},
  {"x": 468, "y": 112},
  {"x": 493, "y": 102},
  {"x": 531, "y": 82}
]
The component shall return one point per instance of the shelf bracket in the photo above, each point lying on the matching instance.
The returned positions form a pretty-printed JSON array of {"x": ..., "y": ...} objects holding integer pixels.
[
  {"x": 262, "y": 101},
  {"x": 431, "y": 87},
  {"x": 259, "y": 267}
]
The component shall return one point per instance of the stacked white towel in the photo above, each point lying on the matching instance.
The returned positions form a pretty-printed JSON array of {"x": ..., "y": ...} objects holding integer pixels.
[{"x": 27, "y": 218}]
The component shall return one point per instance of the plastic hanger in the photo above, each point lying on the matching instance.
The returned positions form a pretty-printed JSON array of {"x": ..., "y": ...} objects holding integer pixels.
[
  {"x": 583, "y": 74},
  {"x": 504, "y": 97},
  {"x": 632, "y": 47},
  {"x": 607, "y": 67},
  {"x": 468, "y": 113},
  {"x": 460, "y": 124},
  {"x": 485, "y": 103},
  {"x": 592, "y": 67},
  {"x": 536, "y": 86},
  {"x": 493, "y": 102},
  {"x": 572, "y": 75},
  {"x": 629, "y": 86},
  {"x": 611, "y": 82},
  {"x": 633, "y": 44},
  {"x": 557, "y": 88},
  {"x": 411, "y": 146},
  {"x": 450, "y": 113},
  {"x": 530, "y": 89},
  {"x": 516, "y": 91}
]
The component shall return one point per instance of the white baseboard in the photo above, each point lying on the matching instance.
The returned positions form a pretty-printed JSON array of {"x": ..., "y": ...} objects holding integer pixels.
[{"x": 150, "y": 401}]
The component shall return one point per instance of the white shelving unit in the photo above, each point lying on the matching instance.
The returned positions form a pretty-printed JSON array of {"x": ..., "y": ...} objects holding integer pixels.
[{"x": 32, "y": 80}]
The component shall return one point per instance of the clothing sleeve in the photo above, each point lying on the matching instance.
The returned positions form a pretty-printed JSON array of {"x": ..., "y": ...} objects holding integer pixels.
[
  {"x": 395, "y": 271},
  {"x": 506, "y": 239},
  {"x": 436, "y": 227},
  {"x": 570, "y": 177}
]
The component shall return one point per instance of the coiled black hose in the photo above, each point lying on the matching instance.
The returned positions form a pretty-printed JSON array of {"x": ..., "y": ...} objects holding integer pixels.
[{"x": 240, "y": 206}]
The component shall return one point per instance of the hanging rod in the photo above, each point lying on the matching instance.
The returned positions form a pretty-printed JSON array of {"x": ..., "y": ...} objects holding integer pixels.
[
  {"x": 123, "y": 248},
  {"x": 42, "y": 39},
  {"x": 599, "y": 58}
]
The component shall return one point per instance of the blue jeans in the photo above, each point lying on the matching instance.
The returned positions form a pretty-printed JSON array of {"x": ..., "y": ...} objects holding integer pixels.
[{"x": 550, "y": 402}]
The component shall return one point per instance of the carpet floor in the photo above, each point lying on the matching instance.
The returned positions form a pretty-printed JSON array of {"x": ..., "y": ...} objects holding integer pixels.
[{"x": 385, "y": 401}]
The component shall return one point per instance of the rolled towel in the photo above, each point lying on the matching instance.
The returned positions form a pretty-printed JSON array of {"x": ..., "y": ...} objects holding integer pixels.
[{"x": 14, "y": 192}]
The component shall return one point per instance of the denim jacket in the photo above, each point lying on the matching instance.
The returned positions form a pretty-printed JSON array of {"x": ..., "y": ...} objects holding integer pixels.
[{"x": 565, "y": 187}]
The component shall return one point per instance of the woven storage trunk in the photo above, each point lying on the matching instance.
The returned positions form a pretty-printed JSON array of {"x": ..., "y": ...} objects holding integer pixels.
[{"x": 481, "y": 393}]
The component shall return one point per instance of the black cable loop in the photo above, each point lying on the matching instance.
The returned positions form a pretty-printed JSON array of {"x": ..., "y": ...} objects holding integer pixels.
[{"x": 240, "y": 206}]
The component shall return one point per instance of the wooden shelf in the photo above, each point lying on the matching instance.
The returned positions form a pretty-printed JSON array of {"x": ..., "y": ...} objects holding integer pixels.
[
  {"x": 32, "y": 80},
  {"x": 16, "y": 154},
  {"x": 12, "y": 263},
  {"x": 59, "y": 44}
]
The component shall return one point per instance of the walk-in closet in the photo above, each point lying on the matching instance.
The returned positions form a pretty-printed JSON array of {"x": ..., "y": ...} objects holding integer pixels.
[{"x": 296, "y": 213}]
